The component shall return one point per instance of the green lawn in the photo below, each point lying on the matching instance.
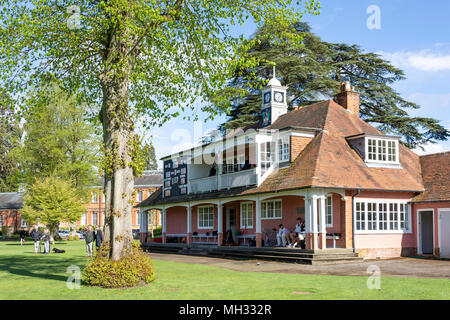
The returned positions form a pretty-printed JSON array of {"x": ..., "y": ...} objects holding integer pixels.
[{"x": 25, "y": 275}]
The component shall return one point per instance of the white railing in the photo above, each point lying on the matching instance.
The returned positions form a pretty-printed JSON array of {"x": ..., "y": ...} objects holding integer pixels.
[
  {"x": 203, "y": 184},
  {"x": 238, "y": 179}
]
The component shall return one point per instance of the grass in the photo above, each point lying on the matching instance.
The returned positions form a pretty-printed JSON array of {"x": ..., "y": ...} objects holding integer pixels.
[{"x": 25, "y": 275}]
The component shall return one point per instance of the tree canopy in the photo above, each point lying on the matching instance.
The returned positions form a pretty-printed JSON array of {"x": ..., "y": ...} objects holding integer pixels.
[
  {"x": 50, "y": 201},
  {"x": 10, "y": 139},
  {"x": 58, "y": 141},
  {"x": 314, "y": 72}
]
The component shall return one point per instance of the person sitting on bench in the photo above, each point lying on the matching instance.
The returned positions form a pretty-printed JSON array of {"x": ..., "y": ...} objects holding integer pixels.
[
  {"x": 282, "y": 236},
  {"x": 299, "y": 234}
]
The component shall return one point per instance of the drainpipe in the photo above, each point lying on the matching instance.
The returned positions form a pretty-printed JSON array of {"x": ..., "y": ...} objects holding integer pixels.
[{"x": 353, "y": 219}]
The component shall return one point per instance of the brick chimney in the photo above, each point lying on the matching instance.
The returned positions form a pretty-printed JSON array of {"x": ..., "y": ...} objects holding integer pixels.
[{"x": 348, "y": 98}]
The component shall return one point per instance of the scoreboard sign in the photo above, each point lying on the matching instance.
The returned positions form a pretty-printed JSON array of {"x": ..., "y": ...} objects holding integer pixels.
[{"x": 175, "y": 177}]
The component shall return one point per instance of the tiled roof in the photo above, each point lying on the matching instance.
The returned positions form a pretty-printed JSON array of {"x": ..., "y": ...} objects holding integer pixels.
[
  {"x": 155, "y": 198},
  {"x": 328, "y": 161},
  {"x": 11, "y": 200},
  {"x": 436, "y": 177}
]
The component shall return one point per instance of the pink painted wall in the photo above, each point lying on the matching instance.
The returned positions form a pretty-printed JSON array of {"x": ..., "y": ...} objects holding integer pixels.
[
  {"x": 176, "y": 218},
  {"x": 194, "y": 216},
  {"x": 434, "y": 206}
]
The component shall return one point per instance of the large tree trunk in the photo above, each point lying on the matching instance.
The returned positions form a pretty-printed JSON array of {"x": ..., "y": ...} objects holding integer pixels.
[{"x": 118, "y": 137}]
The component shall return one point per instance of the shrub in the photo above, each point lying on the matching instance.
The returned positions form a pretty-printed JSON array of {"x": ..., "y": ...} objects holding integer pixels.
[
  {"x": 157, "y": 232},
  {"x": 133, "y": 269},
  {"x": 77, "y": 237},
  {"x": 69, "y": 238},
  {"x": 4, "y": 231}
]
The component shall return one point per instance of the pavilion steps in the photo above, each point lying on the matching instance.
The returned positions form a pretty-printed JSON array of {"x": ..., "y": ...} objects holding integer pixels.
[{"x": 290, "y": 255}]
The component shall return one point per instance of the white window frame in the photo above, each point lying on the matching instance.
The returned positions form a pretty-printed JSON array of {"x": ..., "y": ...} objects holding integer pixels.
[
  {"x": 1, "y": 220},
  {"x": 283, "y": 149},
  {"x": 329, "y": 211},
  {"x": 94, "y": 197},
  {"x": 265, "y": 204},
  {"x": 376, "y": 215},
  {"x": 23, "y": 223},
  {"x": 83, "y": 220},
  {"x": 245, "y": 215},
  {"x": 382, "y": 143},
  {"x": 96, "y": 218},
  {"x": 139, "y": 196},
  {"x": 202, "y": 208}
]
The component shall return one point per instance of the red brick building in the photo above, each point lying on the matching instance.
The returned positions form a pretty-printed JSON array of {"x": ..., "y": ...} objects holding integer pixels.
[
  {"x": 354, "y": 186},
  {"x": 10, "y": 205},
  {"x": 143, "y": 187}
]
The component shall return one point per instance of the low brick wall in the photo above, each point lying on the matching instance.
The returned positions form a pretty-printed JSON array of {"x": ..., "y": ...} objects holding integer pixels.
[{"x": 373, "y": 253}]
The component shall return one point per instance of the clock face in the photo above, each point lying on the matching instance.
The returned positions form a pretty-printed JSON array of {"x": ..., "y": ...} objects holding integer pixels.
[
  {"x": 278, "y": 97},
  {"x": 267, "y": 97}
]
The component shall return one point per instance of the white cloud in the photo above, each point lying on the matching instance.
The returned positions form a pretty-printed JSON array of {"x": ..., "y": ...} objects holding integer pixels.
[
  {"x": 430, "y": 148},
  {"x": 424, "y": 60}
]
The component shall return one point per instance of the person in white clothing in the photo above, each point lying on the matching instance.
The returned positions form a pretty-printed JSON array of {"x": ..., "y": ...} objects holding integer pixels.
[
  {"x": 299, "y": 233},
  {"x": 282, "y": 236}
]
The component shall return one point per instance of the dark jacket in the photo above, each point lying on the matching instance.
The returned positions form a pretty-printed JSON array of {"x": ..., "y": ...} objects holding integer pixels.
[
  {"x": 36, "y": 235},
  {"x": 98, "y": 238},
  {"x": 89, "y": 236}
]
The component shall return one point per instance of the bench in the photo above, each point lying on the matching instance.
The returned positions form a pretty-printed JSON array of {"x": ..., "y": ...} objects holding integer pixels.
[
  {"x": 245, "y": 236},
  {"x": 179, "y": 236},
  {"x": 334, "y": 237},
  {"x": 206, "y": 237}
]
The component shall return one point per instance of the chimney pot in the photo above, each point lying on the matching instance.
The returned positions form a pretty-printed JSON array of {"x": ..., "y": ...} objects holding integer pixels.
[{"x": 348, "y": 98}]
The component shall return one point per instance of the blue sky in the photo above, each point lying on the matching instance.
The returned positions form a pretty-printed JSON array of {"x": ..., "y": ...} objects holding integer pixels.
[{"x": 414, "y": 35}]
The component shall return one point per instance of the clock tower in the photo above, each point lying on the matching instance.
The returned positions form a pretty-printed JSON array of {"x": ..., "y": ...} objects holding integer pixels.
[{"x": 274, "y": 102}]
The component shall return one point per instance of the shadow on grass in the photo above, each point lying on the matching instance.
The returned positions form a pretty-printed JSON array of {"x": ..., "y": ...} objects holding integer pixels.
[{"x": 39, "y": 266}]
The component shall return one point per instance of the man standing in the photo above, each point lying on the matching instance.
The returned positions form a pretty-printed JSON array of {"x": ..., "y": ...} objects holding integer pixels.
[
  {"x": 36, "y": 235},
  {"x": 89, "y": 241},
  {"x": 98, "y": 237},
  {"x": 46, "y": 239}
]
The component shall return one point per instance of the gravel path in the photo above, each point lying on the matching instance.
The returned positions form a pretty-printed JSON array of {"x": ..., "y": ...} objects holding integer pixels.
[{"x": 401, "y": 267}]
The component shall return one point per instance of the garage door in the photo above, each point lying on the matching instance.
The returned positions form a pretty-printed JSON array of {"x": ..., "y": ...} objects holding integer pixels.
[{"x": 444, "y": 233}]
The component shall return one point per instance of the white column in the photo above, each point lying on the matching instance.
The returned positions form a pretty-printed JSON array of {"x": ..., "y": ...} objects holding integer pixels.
[
  {"x": 313, "y": 215},
  {"x": 307, "y": 214},
  {"x": 163, "y": 222},
  {"x": 219, "y": 217},
  {"x": 189, "y": 219},
  {"x": 258, "y": 216},
  {"x": 323, "y": 227}
]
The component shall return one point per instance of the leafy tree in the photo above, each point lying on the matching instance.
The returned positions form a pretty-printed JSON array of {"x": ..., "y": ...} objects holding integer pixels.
[
  {"x": 314, "y": 72},
  {"x": 50, "y": 201},
  {"x": 10, "y": 135},
  {"x": 149, "y": 156},
  {"x": 58, "y": 141},
  {"x": 136, "y": 58}
]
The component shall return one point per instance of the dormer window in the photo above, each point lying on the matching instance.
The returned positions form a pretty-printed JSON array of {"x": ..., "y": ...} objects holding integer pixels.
[
  {"x": 382, "y": 150},
  {"x": 376, "y": 150}
]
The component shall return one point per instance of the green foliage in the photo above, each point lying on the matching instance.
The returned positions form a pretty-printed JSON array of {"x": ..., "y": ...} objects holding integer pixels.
[
  {"x": 133, "y": 269},
  {"x": 314, "y": 72},
  {"x": 4, "y": 231},
  {"x": 70, "y": 238},
  {"x": 157, "y": 232},
  {"x": 51, "y": 201},
  {"x": 59, "y": 141},
  {"x": 10, "y": 135}
]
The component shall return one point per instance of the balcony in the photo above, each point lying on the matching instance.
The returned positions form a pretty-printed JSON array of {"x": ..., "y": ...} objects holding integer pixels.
[
  {"x": 203, "y": 184},
  {"x": 238, "y": 179}
]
